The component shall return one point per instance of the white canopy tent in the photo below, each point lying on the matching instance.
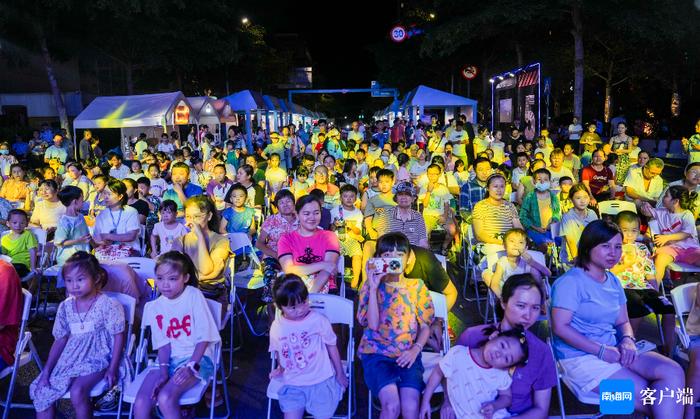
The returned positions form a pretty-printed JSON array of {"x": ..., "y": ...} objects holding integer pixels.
[
  {"x": 131, "y": 114},
  {"x": 206, "y": 113},
  {"x": 423, "y": 97},
  {"x": 248, "y": 102}
]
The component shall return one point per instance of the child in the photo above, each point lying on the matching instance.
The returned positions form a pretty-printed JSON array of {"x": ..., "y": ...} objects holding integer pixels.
[
  {"x": 478, "y": 379},
  {"x": 565, "y": 183},
  {"x": 302, "y": 184},
  {"x": 379, "y": 202},
  {"x": 678, "y": 238},
  {"x": 371, "y": 188},
  {"x": 576, "y": 219},
  {"x": 347, "y": 223},
  {"x": 498, "y": 147},
  {"x": 516, "y": 261},
  {"x": 89, "y": 333},
  {"x": 97, "y": 200},
  {"x": 396, "y": 313},
  {"x": 168, "y": 230},
  {"x": 309, "y": 370},
  {"x": 136, "y": 170},
  {"x": 543, "y": 148},
  {"x": 461, "y": 173},
  {"x": 402, "y": 174},
  {"x": 522, "y": 162},
  {"x": 158, "y": 184},
  {"x": 183, "y": 358},
  {"x": 72, "y": 234},
  {"x": 239, "y": 218},
  {"x": 571, "y": 161},
  {"x": 20, "y": 244},
  {"x": 275, "y": 176},
  {"x": 15, "y": 189},
  {"x": 350, "y": 173},
  {"x": 635, "y": 270},
  {"x": 539, "y": 210},
  {"x": 634, "y": 154}
]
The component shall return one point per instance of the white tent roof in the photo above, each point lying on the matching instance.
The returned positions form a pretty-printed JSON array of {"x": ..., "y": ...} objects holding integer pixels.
[
  {"x": 131, "y": 111},
  {"x": 203, "y": 107},
  {"x": 429, "y": 97}
]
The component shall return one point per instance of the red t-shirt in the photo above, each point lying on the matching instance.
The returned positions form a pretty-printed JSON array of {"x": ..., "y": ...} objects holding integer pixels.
[
  {"x": 597, "y": 179},
  {"x": 10, "y": 310}
]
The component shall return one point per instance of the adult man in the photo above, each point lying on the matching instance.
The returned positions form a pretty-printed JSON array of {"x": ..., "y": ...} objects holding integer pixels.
[
  {"x": 141, "y": 145},
  {"x": 181, "y": 188},
  {"x": 117, "y": 169},
  {"x": 355, "y": 134},
  {"x": 423, "y": 264},
  {"x": 85, "y": 147},
  {"x": 56, "y": 151},
  {"x": 322, "y": 126},
  {"x": 575, "y": 130},
  {"x": 514, "y": 139},
  {"x": 475, "y": 190},
  {"x": 459, "y": 138},
  {"x": 645, "y": 185},
  {"x": 691, "y": 182},
  {"x": 557, "y": 169},
  {"x": 598, "y": 178},
  {"x": 398, "y": 132},
  {"x": 403, "y": 218}
]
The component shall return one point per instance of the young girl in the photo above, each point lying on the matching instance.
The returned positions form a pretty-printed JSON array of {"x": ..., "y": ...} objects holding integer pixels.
[
  {"x": 478, "y": 379},
  {"x": 309, "y": 369},
  {"x": 350, "y": 172},
  {"x": 98, "y": 200},
  {"x": 158, "y": 184},
  {"x": 678, "y": 238},
  {"x": 167, "y": 231},
  {"x": 239, "y": 218},
  {"x": 14, "y": 189},
  {"x": 302, "y": 184},
  {"x": 89, "y": 333},
  {"x": 185, "y": 353},
  {"x": 516, "y": 261},
  {"x": 576, "y": 219},
  {"x": 396, "y": 313},
  {"x": 565, "y": 184},
  {"x": 20, "y": 244},
  {"x": 402, "y": 173},
  {"x": 498, "y": 147},
  {"x": 461, "y": 173}
]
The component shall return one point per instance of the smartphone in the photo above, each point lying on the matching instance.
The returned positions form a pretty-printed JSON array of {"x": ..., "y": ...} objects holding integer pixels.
[{"x": 386, "y": 265}]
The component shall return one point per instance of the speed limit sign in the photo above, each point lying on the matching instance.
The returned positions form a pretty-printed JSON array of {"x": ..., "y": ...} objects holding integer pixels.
[
  {"x": 398, "y": 34},
  {"x": 469, "y": 72}
]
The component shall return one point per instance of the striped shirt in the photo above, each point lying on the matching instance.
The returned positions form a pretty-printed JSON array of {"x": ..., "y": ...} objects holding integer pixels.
[
  {"x": 497, "y": 219},
  {"x": 413, "y": 228}
]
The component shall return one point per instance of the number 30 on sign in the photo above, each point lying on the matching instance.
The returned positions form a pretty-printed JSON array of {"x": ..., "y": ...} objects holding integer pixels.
[{"x": 398, "y": 34}]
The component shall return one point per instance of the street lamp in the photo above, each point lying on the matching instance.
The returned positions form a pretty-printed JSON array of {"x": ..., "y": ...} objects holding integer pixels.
[
  {"x": 432, "y": 16},
  {"x": 245, "y": 21}
]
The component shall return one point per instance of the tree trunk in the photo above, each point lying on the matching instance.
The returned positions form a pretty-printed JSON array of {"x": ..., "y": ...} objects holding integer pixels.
[
  {"x": 608, "y": 93},
  {"x": 53, "y": 83},
  {"x": 577, "y": 33},
  {"x": 129, "y": 78}
]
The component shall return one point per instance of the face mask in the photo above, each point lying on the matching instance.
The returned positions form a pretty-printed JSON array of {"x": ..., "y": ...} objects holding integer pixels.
[
  {"x": 544, "y": 186},
  {"x": 385, "y": 159},
  {"x": 4, "y": 152}
]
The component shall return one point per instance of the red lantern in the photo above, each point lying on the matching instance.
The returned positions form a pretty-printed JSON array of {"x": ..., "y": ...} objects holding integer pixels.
[{"x": 182, "y": 115}]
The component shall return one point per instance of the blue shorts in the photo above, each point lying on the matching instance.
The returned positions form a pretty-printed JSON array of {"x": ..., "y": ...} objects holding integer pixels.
[
  {"x": 380, "y": 371},
  {"x": 206, "y": 367},
  {"x": 541, "y": 238}
]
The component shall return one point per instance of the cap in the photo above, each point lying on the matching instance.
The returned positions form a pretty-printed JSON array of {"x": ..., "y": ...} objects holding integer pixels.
[{"x": 405, "y": 187}]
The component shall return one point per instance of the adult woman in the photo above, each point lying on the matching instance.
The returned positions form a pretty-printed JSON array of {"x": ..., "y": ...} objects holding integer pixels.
[
  {"x": 522, "y": 299},
  {"x": 527, "y": 183},
  {"x": 309, "y": 252},
  {"x": 117, "y": 227},
  {"x": 621, "y": 144},
  {"x": 134, "y": 201},
  {"x": 256, "y": 194},
  {"x": 419, "y": 166},
  {"x": 493, "y": 215},
  {"x": 589, "y": 310},
  {"x": 49, "y": 210},
  {"x": 75, "y": 177},
  {"x": 208, "y": 249}
]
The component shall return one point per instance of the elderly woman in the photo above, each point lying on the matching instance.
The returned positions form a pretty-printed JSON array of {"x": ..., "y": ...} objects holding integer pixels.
[
  {"x": 493, "y": 215},
  {"x": 522, "y": 299},
  {"x": 308, "y": 251},
  {"x": 593, "y": 338}
]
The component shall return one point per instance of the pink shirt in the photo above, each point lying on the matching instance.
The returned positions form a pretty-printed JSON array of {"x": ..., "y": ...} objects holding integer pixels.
[
  {"x": 308, "y": 250},
  {"x": 301, "y": 345}
]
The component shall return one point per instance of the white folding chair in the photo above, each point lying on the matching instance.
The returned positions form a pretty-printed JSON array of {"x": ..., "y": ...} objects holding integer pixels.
[
  {"x": 338, "y": 310},
  {"x": 431, "y": 359},
  {"x": 682, "y": 297},
  {"x": 145, "y": 269},
  {"x": 615, "y": 207},
  {"x": 129, "y": 304},
  {"x": 194, "y": 394},
  {"x": 471, "y": 266},
  {"x": 21, "y": 357},
  {"x": 247, "y": 279},
  {"x": 340, "y": 275}
]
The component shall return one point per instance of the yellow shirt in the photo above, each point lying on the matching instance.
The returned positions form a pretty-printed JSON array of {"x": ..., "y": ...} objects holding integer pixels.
[{"x": 545, "y": 209}]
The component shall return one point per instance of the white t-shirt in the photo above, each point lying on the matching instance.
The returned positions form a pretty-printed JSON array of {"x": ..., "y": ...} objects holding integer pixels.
[
  {"x": 575, "y": 131},
  {"x": 166, "y": 148},
  {"x": 167, "y": 236},
  {"x": 458, "y": 149},
  {"x": 355, "y": 215},
  {"x": 446, "y": 179},
  {"x": 182, "y": 322},
  {"x": 46, "y": 214},
  {"x": 158, "y": 186},
  {"x": 301, "y": 345},
  {"x": 470, "y": 385},
  {"x": 119, "y": 172},
  {"x": 635, "y": 180},
  {"x": 119, "y": 222},
  {"x": 572, "y": 224},
  {"x": 556, "y": 175}
]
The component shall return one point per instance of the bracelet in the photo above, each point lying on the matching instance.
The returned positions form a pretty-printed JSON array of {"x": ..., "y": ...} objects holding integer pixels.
[
  {"x": 629, "y": 337},
  {"x": 419, "y": 346},
  {"x": 601, "y": 352}
]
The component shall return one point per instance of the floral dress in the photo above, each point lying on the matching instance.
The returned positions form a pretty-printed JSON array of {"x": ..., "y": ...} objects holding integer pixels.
[
  {"x": 623, "y": 161},
  {"x": 89, "y": 348}
]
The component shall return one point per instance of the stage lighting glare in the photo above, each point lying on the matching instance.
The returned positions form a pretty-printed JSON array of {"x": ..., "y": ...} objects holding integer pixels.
[
  {"x": 511, "y": 75},
  {"x": 500, "y": 77},
  {"x": 491, "y": 80}
]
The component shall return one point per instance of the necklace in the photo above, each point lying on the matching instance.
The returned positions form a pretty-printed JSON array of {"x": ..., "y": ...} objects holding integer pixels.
[{"x": 82, "y": 319}]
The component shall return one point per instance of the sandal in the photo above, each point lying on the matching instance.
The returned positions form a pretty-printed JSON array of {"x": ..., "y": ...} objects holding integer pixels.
[{"x": 217, "y": 402}]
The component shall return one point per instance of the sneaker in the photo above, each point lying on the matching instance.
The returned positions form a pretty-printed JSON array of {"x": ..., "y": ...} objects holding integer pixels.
[{"x": 108, "y": 402}]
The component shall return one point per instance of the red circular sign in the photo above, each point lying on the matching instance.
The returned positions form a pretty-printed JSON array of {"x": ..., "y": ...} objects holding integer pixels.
[
  {"x": 398, "y": 33},
  {"x": 470, "y": 72}
]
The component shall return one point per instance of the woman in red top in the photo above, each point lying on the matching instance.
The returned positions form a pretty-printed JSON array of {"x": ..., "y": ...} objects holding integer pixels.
[{"x": 10, "y": 313}]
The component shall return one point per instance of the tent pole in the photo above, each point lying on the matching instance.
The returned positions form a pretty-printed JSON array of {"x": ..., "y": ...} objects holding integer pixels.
[{"x": 249, "y": 130}]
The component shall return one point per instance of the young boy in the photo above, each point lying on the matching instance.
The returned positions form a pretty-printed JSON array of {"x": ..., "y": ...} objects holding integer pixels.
[
  {"x": 543, "y": 148},
  {"x": 379, "y": 202},
  {"x": 275, "y": 176},
  {"x": 167, "y": 231},
  {"x": 117, "y": 169},
  {"x": 522, "y": 161},
  {"x": 371, "y": 188},
  {"x": 571, "y": 161},
  {"x": 97, "y": 199},
  {"x": 72, "y": 233},
  {"x": 347, "y": 223},
  {"x": 636, "y": 273},
  {"x": 309, "y": 375},
  {"x": 239, "y": 218},
  {"x": 20, "y": 244}
]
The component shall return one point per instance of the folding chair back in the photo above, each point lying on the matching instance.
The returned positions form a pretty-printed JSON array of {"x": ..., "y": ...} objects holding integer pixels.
[
  {"x": 441, "y": 312},
  {"x": 242, "y": 241},
  {"x": 615, "y": 207},
  {"x": 682, "y": 298},
  {"x": 338, "y": 310},
  {"x": 144, "y": 268},
  {"x": 41, "y": 237}
]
